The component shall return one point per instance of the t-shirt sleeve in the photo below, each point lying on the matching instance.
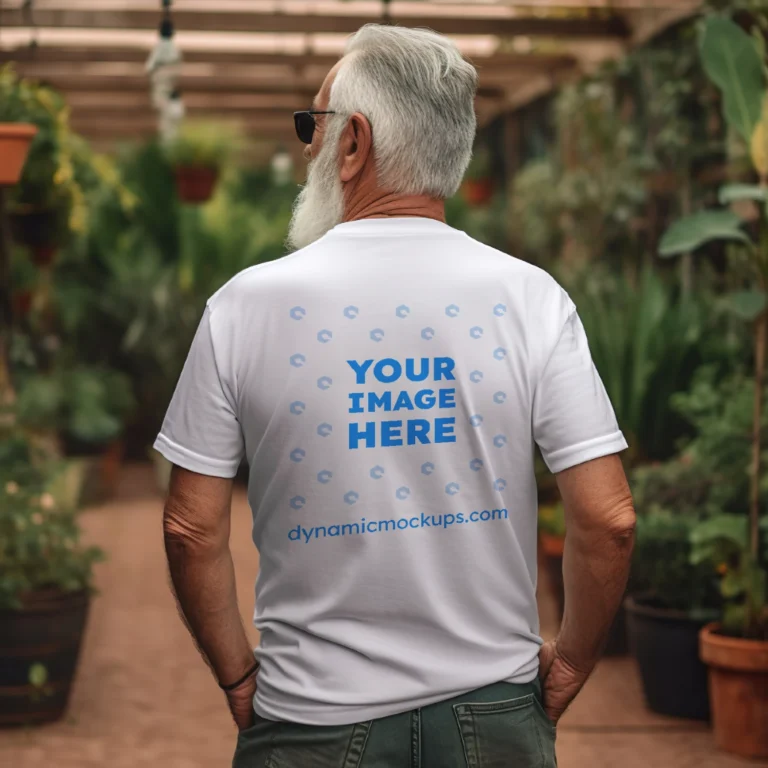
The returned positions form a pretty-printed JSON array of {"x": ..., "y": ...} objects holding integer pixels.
[
  {"x": 201, "y": 431},
  {"x": 573, "y": 419}
]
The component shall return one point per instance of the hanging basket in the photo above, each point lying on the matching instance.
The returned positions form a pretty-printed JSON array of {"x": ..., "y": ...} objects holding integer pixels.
[
  {"x": 15, "y": 139},
  {"x": 195, "y": 183},
  {"x": 38, "y": 229},
  {"x": 477, "y": 192}
]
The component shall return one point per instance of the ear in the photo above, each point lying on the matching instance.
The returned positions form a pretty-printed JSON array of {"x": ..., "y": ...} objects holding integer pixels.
[{"x": 355, "y": 146}]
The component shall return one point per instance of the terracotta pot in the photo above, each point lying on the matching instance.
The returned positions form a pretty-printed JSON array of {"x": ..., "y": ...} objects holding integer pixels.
[
  {"x": 738, "y": 691},
  {"x": 22, "y": 303},
  {"x": 195, "y": 184},
  {"x": 48, "y": 631},
  {"x": 15, "y": 139},
  {"x": 477, "y": 191},
  {"x": 552, "y": 546}
]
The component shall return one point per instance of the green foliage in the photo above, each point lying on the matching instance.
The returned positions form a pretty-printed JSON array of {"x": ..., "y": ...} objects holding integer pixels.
[
  {"x": 133, "y": 289},
  {"x": 86, "y": 403},
  {"x": 748, "y": 305},
  {"x": 700, "y": 228},
  {"x": 731, "y": 60},
  {"x": 39, "y": 538},
  {"x": 60, "y": 169},
  {"x": 552, "y": 519},
  {"x": 732, "y": 193},
  {"x": 584, "y": 198},
  {"x": 724, "y": 541},
  {"x": 480, "y": 167},
  {"x": 661, "y": 569},
  {"x": 645, "y": 342},
  {"x": 206, "y": 144},
  {"x": 708, "y": 486}
]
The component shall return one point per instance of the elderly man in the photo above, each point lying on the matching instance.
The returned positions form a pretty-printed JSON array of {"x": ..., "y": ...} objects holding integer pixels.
[{"x": 387, "y": 383}]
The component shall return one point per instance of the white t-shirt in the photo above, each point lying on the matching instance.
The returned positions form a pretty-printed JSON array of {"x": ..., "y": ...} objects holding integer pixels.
[{"x": 387, "y": 385}]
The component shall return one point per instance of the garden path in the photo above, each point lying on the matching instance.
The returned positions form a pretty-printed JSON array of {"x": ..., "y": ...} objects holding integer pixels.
[{"x": 143, "y": 697}]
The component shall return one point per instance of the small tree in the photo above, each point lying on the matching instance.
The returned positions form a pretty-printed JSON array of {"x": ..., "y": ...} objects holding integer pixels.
[{"x": 734, "y": 62}]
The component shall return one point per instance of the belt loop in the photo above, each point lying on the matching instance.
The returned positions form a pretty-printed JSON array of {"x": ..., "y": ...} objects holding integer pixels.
[{"x": 416, "y": 738}]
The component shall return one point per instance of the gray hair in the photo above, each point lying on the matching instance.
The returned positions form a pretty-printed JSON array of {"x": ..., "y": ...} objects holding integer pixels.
[{"x": 418, "y": 94}]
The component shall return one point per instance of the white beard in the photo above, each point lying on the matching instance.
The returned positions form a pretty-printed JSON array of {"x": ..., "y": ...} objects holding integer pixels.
[{"x": 320, "y": 204}]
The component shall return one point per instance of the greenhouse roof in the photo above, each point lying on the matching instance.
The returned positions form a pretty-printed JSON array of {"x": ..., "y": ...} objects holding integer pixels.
[{"x": 255, "y": 60}]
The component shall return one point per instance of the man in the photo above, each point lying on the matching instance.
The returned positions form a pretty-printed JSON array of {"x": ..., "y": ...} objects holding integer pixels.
[{"x": 387, "y": 383}]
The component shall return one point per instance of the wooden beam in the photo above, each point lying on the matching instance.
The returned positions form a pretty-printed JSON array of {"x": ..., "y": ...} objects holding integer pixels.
[
  {"x": 146, "y": 126},
  {"x": 501, "y": 24},
  {"x": 70, "y": 83},
  {"x": 83, "y": 55}
]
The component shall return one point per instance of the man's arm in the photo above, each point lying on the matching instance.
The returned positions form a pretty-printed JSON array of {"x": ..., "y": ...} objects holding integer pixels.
[
  {"x": 196, "y": 525},
  {"x": 600, "y": 526}
]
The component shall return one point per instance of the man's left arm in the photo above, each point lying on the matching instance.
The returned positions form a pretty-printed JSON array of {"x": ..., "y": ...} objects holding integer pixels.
[{"x": 196, "y": 526}]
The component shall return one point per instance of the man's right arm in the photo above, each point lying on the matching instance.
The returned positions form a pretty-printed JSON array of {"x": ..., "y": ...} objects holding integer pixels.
[{"x": 600, "y": 525}]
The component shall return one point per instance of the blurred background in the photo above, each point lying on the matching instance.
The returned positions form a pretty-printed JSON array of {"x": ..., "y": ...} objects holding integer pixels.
[{"x": 147, "y": 154}]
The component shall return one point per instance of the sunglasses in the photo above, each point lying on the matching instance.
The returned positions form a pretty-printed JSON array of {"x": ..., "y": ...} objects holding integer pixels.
[{"x": 305, "y": 123}]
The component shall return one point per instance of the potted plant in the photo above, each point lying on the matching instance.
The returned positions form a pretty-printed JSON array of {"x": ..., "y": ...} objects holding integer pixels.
[
  {"x": 670, "y": 599},
  {"x": 197, "y": 155},
  {"x": 736, "y": 649},
  {"x": 87, "y": 407},
  {"x": 48, "y": 197},
  {"x": 477, "y": 188},
  {"x": 15, "y": 138},
  {"x": 45, "y": 586}
]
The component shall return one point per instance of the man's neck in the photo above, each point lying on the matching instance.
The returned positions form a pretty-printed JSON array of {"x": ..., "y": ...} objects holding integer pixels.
[{"x": 390, "y": 205}]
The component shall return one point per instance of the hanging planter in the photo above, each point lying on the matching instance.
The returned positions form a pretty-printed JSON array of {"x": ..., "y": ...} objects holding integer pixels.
[
  {"x": 195, "y": 184},
  {"x": 15, "y": 139},
  {"x": 197, "y": 154},
  {"x": 477, "y": 192},
  {"x": 39, "y": 230},
  {"x": 738, "y": 684}
]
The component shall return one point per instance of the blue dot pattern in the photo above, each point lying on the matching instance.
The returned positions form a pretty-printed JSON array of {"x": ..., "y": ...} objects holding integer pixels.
[{"x": 376, "y": 335}]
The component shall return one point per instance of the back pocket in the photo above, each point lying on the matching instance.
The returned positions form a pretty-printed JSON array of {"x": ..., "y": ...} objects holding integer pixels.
[{"x": 506, "y": 734}]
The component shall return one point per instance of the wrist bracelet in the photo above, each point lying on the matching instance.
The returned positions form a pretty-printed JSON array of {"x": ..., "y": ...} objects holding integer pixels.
[{"x": 232, "y": 686}]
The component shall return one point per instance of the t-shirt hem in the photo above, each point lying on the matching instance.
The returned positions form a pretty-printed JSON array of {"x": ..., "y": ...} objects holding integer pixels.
[
  {"x": 192, "y": 461},
  {"x": 565, "y": 458},
  {"x": 336, "y": 715}
]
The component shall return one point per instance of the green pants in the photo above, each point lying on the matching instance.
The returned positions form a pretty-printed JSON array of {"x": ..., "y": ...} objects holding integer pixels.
[{"x": 500, "y": 726}]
